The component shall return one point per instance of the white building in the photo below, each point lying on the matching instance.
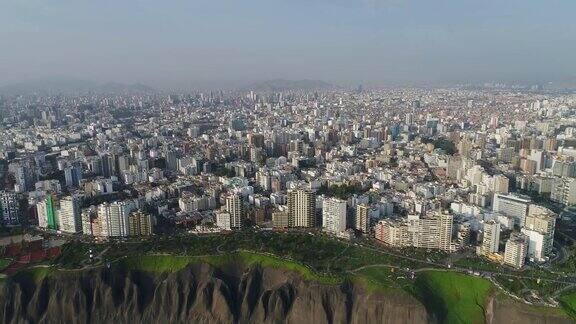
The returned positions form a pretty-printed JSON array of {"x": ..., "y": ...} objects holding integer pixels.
[
  {"x": 334, "y": 215},
  {"x": 515, "y": 206},
  {"x": 539, "y": 228},
  {"x": 70, "y": 214},
  {"x": 491, "y": 238},
  {"x": 114, "y": 217},
  {"x": 516, "y": 250},
  {"x": 564, "y": 191},
  {"x": 223, "y": 220},
  {"x": 430, "y": 232},
  {"x": 536, "y": 245}
]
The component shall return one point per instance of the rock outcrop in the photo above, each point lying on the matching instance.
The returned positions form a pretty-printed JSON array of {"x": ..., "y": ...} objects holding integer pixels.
[
  {"x": 199, "y": 294},
  {"x": 231, "y": 294}
]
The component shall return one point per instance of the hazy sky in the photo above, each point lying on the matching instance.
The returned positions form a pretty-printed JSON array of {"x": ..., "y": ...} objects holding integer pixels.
[{"x": 188, "y": 42}]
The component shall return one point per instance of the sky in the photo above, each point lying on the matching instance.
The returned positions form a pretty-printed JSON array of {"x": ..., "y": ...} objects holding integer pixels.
[{"x": 188, "y": 43}]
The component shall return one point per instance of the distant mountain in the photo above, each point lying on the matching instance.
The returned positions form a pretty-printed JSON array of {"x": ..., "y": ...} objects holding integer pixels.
[
  {"x": 288, "y": 85},
  {"x": 61, "y": 85}
]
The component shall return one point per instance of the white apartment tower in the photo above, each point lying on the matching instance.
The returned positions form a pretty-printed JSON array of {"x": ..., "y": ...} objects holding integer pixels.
[
  {"x": 431, "y": 232},
  {"x": 334, "y": 215},
  {"x": 114, "y": 218},
  {"x": 491, "y": 238},
  {"x": 223, "y": 220},
  {"x": 539, "y": 228},
  {"x": 514, "y": 206},
  {"x": 516, "y": 250},
  {"x": 70, "y": 214}
]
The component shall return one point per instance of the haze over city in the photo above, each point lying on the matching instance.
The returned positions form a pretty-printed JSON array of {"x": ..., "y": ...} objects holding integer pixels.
[{"x": 187, "y": 44}]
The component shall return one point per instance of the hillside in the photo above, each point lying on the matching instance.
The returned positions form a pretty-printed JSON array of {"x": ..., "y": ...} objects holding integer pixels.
[{"x": 248, "y": 287}]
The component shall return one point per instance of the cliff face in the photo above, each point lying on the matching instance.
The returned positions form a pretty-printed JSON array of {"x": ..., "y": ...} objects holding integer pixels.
[{"x": 199, "y": 294}]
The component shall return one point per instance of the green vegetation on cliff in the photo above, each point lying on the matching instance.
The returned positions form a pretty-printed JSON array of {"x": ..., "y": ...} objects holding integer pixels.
[
  {"x": 376, "y": 279},
  {"x": 4, "y": 263},
  {"x": 169, "y": 263},
  {"x": 568, "y": 302},
  {"x": 455, "y": 297},
  {"x": 155, "y": 263}
]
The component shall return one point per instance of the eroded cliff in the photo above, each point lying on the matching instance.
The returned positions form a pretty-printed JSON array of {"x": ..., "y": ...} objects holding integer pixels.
[
  {"x": 199, "y": 294},
  {"x": 235, "y": 293}
]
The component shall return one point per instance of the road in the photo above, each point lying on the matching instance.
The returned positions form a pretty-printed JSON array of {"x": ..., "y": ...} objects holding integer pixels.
[{"x": 570, "y": 280}]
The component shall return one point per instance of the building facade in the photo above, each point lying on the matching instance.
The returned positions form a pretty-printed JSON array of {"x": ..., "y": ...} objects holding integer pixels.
[
  {"x": 334, "y": 215},
  {"x": 301, "y": 208},
  {"x": 516, "y": 250}
]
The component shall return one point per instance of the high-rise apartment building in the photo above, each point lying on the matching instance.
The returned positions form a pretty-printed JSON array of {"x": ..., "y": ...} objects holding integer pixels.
[
  {"x": 47, "y": 213},
  {"x": 9, "y": 208},
  {"x": 564, "y": 191},
  {"x": 235, "y": 208},
  {"x": 501, "y": 184},
  {"x": 70, "y": 215},
  {"x": 334, "y": 215},
  {"x": 393, "y": 233},
  {"x": 301, "y": 208},
  {"x": 515, "y": 206},
  {"x": 362, "y": 218},
  {"x": 280, "y": 219},
  {"x": 539, "y": 228},
  {"x": 73, "y": 175},
  {"x": 88, "y": 216},
  {"x": 564, "y": 168},
  {"x": 139, "y": 223},
  {"x": 515, "y": 251},
  {"x": 223, "y": 220},
  {"x": 430, "y": 232},
  {"x": 113, "y": 218},
  {"x": 490, "y": 239}
]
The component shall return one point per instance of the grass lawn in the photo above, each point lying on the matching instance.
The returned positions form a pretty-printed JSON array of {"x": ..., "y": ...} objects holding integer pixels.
[
  {"x": 376, "y": 279},
  {"x": 155, "y": 263},
  {"x": 568, "y": 303},
  {"x": 75, "y": 253},
  {"x": 4, "y": 263},
  {"x": 478, "y": 263},
  {"x": 169, "y": 263},
  {"x": 454, "y": 297}
]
